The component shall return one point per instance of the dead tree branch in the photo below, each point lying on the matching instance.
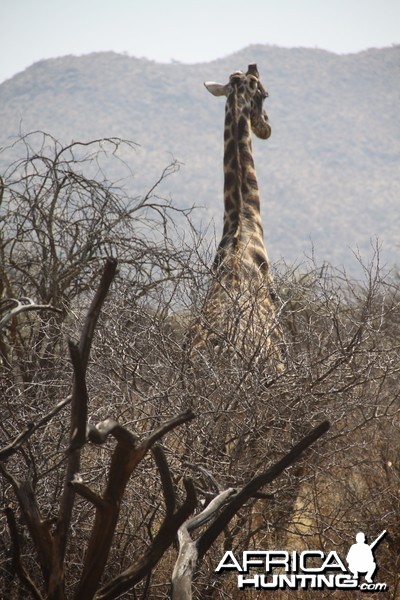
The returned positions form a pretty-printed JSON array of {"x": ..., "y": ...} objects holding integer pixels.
[
  {"x": 80, "y": 357},
  {"x": 17, "y": 565},
  {"x": 127, "y": 454},
  {"x": 251, "y": 488},
  {"x": 162, "y": 541},
  {"x": 22, "y": 437},
  {"x": 125, "y": 458},
  {"x": 187, "y": 560},
  {"x": 192, "y": 551},
  {"x": 14, "y": 307},
  {"x": 35, "y": 523},
  {"x": 166, "y": 479}
]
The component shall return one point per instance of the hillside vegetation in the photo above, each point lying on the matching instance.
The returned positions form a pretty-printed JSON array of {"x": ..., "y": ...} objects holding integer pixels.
[{"x": 329, "y": 175}]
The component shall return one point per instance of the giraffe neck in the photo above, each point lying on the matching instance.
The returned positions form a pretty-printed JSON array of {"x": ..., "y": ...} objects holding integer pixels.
[{"x": 242, "y": 232}]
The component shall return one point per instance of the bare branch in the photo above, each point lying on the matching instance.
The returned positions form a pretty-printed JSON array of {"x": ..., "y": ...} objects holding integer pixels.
[
  {"x": 145, "y": 563},
  {"x": 186, "y": 562},
  {"x": 243, "y": 495},
  {"x": 166, "y": 479},
  {"x": 98, "y": 434},
  {"x": 190, "y": 551},
  {"x": 32, "y": 517},
  {"x": 210, "y": 510},
  {"x": 15, "y": 307},
  {"x": 208, "y": 477},
  {"x": 22, "y": 437},
  {"x": 78, "y": 425},
  {"x": 166, "y": 427},
  {"x": 16, "y": 556},
  {"x": 84, "y": 491},
  {"x": 125, "y": 458},
  {"x": 79, "y": 406},
  {"x": 92, "y": 317}
]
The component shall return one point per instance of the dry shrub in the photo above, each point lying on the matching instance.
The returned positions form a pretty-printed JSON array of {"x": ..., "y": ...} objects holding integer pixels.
[{"x": 342, "y": 364}]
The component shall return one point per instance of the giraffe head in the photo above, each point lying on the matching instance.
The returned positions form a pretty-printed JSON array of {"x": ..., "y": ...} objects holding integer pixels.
[{"x": 248, "y": 87}]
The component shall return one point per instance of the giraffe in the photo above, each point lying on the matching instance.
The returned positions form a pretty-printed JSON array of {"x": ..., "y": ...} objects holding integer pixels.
[{"x": 239, "y": 310}]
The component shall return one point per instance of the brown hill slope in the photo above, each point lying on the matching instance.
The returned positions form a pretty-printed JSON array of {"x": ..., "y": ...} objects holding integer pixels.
[{"x": 328, "y": 175}]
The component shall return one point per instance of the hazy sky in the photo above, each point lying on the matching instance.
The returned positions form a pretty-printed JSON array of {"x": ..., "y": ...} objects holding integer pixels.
[{"x": 188, "y": 30}]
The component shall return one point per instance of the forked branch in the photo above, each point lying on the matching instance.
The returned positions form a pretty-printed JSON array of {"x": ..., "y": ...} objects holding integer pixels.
[
  {"x": 13, "y": 307},
  {"x": 125, "y": 458}
]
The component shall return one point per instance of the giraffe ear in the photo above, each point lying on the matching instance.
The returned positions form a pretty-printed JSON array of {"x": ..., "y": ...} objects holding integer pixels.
[{"x": 217, "y": 89}]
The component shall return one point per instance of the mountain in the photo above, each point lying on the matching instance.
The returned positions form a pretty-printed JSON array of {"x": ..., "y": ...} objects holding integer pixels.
[{"x": 329, "y": 175}]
